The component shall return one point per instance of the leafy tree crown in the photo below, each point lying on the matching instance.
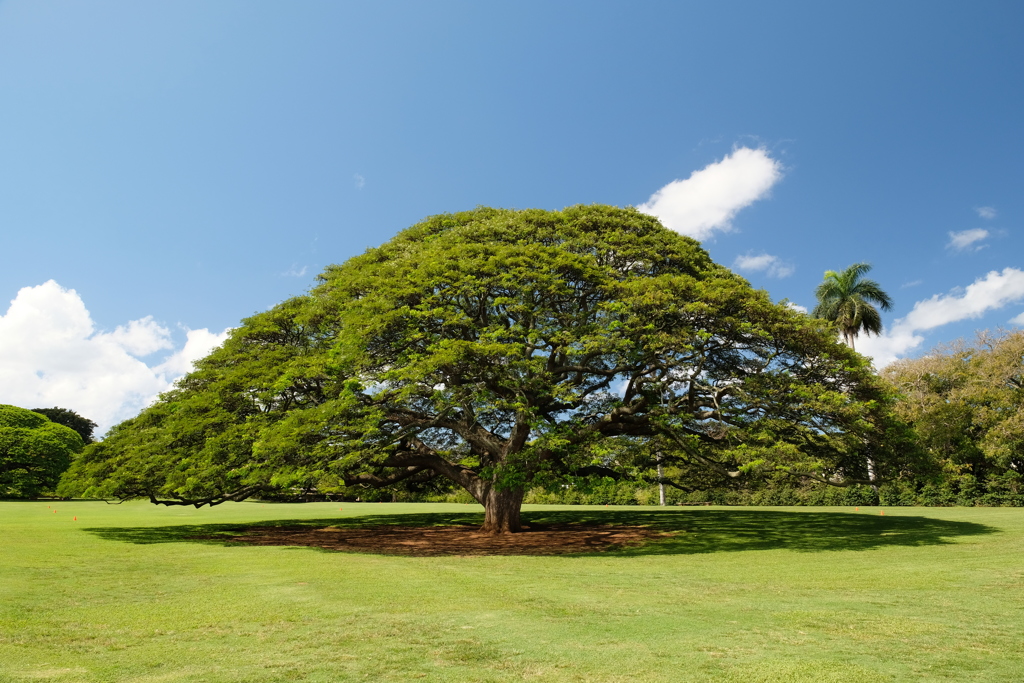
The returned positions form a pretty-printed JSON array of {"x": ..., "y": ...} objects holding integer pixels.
[
  {"x": 502, "y": 349},
  {"x": 34, "y": 452}
]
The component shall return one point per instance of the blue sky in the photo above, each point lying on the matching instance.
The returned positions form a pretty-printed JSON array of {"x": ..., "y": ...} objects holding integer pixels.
[{"x": 181, "y": 165}]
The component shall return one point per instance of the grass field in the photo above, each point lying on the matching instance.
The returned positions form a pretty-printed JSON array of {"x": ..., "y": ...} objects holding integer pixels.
[{"x": 127, "y": 593}]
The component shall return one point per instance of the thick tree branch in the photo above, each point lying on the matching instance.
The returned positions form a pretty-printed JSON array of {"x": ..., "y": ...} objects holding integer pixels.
[
  {"x": 713, "y": 464},
  {"x": 234, "y": 496},
  {"x": 423, "y": 457}
]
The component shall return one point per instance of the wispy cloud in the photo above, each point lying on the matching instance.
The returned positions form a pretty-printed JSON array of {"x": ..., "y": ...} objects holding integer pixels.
[
  {"x": 772, "y": 266},
  {"x": 296, "y": 271},
  {"x": 987, "y": 212},
  {"x": 967, "y": 239},
  {"x": 1018, "y": 319},
  {"x": 51, "y": 354},
  {"x": 360, "y": 181},
  {"x": 993, "y": 291},
  {"x": 707, "y": 201},
  {"x": 912, "y": 283}
]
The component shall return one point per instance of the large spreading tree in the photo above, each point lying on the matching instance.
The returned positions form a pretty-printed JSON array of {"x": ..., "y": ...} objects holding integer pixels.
[{"x": 503, "y": 350}]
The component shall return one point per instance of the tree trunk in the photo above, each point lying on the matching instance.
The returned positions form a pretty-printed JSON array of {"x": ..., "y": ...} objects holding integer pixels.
[
  {"x": 661, "y": 484},
  {"x": 501, "y": 511},
  {"x": 871, "y": 472}
]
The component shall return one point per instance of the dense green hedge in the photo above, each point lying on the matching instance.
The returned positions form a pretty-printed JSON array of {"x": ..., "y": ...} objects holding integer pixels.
[{"x": 964, "y": 490}]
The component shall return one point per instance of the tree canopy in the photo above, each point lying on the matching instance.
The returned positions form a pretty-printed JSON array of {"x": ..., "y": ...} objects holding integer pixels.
[
  {"x": 966, "y": 403},
  {"x": 69, "y": 418},
  {"x": 502, "y": 349},
  {"x": 34, "y": 452}
]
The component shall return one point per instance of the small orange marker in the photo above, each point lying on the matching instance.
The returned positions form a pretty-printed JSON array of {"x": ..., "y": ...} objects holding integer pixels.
[
  {"x": 76, "y": 519},
  {"x": 54, "y": 512},
  {"x": 856, "y": 509},
  {"x": 882, "y": 513}
]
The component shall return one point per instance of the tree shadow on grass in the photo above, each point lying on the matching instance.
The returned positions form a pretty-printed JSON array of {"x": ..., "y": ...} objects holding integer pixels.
[{"x": 684, "y": 532}]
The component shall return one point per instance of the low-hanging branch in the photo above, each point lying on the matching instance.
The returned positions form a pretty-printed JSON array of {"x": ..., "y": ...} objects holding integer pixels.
[{"x": 236, "y": 496}]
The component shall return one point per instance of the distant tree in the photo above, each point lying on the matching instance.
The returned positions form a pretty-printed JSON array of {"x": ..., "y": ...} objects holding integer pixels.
[
  {"x": 966, "y": 404},
  {"x": 505, "y": 350},
  {"x": 848, "y": 300},
  {"x": 34, "y": 452},
  {"x": 69, "y": 418}
]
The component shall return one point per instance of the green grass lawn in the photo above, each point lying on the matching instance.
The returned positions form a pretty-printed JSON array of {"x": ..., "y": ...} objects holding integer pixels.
[{"x": 126, "y": 593}]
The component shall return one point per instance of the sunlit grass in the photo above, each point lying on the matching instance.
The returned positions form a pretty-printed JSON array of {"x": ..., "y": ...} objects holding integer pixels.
[{"x": 127, "y": 593}]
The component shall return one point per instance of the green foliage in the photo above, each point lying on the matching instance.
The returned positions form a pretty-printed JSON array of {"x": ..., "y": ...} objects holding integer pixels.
[
  {"x": 69, "y": 418},
  {"x": 504, "y": 351},
  {"x": 847, "y": 299},
  {"x": 34, "y": 452},
  {"x": 959, "y": 491},
  {"x": 965, "y": 403}
]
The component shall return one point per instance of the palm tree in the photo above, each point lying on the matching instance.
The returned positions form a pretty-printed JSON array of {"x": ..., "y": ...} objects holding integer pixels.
[{"x": 846, "y": 299}]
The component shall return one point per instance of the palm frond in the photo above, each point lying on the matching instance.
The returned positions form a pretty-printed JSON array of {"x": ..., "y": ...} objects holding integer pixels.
[
  {"x": 871, "y": 321},
  {"x": 872, "y": 291},
  {"x": 848, "y": 300}
]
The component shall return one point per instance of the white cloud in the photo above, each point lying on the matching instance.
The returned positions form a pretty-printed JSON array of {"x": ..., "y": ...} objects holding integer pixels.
[
  {"x": 360, "y": 181},
  {"x": 52, "y": 355},
  {"x": 198, "y": 344},
  {"x": 772, "y": 266},
  {"x": 710, "y": 198},
  {"x": 139, "y": 337},
  {"x": 993, "y": 291},
  {"x": 295, "y": 271},
  {"x": 1017, "y": 320},
  {"x": 965, "y": 239},
  {"x": 796, "y": 307},
  {"x": 987, "y": 212}
]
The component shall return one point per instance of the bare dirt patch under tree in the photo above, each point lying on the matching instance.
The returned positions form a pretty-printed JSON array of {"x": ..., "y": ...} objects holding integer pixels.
[{"x": 549, "y": 539}]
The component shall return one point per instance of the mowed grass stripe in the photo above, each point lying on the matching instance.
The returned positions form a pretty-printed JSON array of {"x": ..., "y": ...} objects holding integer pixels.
[{"x": 127, "y": 593}]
